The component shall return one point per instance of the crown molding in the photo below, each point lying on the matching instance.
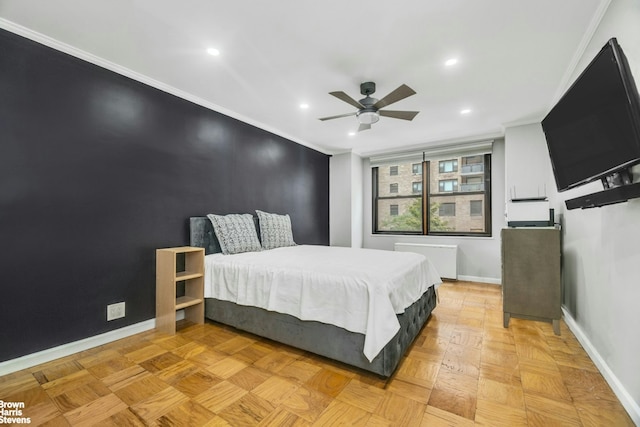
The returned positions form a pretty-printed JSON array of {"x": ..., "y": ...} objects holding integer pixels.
[{"x": 111, "y": 66}]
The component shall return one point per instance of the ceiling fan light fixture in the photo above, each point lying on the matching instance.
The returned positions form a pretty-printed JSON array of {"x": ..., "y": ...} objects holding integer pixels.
[
  {"x": 370, "y": 109},
  {"x": 368, "y": 117}
]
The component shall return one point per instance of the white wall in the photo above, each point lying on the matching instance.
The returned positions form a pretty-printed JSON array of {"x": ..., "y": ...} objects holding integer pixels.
[
  {"x": 528, "y": 171},
  {"x": 478, "y": 257},
  {"x": 340, "y": 200},
  {"x": 601, "y": 246},
  {"x": 357, "y": 201},
  {"x": 345, "y": 200}
]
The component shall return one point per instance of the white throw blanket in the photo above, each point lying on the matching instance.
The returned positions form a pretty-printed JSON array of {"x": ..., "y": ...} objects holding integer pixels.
[{"x": 360, "y": 290}]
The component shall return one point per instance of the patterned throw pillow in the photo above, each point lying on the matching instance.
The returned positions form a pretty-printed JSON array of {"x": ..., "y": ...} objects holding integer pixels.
[
  {"x": 275, "y": 230},
  {"x": 235, "y": 232}
]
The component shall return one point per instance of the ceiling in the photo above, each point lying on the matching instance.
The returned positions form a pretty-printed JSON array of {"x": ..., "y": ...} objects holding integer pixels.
[{"x": 514, "y": 59}]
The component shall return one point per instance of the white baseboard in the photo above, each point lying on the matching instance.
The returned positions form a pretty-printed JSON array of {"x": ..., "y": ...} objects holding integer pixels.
[
  {"x": 632, "y": 407},
  {"x": 50, "y": 354},
  {"x": 491, "y": 280},
  {"x": 64, "y": 350}
]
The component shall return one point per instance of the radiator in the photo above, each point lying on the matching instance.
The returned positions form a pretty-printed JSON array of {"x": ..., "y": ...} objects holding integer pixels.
[{"x": 443, "y": 257}]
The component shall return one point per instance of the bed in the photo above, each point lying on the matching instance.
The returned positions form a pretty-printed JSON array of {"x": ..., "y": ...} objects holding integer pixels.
[{"x": 354, "y": 343}]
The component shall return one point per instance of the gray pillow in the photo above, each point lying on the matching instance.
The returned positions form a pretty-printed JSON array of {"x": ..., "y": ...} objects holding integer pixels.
[
  {"x": 275, "y": 230},
  {"x": 235, "y": 232}
]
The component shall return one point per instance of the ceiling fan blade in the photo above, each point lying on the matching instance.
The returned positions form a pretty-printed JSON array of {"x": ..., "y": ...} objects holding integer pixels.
[
  {"x": 337, "y": 117},
  {"x": 346, "y": 98},
  {"x": 402, "y": 92},
  {"x": 404, "y": 115},
  {"x": 364, "y": 126}
]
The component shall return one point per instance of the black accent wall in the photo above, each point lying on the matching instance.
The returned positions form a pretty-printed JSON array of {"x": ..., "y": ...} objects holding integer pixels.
[{"x": 98, "y": 170}]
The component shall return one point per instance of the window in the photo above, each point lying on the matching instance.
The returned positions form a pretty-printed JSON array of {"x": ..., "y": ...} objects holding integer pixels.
[
  {"x": 445, "y": 166},
  {"x": 471, "y": 163},
  {"x": 475, "y": 208},
  {"x": 447, "y": 209},
  {"x": 472, "y": 183},
  {"x": 393, "y": 170},
  {"x": 448, "y": 185},
  {"x": 458, "y": 203}
]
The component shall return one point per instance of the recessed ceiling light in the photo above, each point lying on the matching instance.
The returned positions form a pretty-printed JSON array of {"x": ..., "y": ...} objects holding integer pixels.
[
  {"x": 352, "y": 133},
  {"x": 465, "y": 111},
  {"x": 304, "y": 106},
  {"x": 213, "y": 52},
  {"x": 451, "y": 61}
]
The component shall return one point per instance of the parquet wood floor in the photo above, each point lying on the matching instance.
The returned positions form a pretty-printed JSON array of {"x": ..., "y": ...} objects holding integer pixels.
[{"x": 464, "y": 369}]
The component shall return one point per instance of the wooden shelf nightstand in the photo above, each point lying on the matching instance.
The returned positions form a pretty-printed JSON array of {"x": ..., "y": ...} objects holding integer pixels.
[{"x": 167, "y": 277}]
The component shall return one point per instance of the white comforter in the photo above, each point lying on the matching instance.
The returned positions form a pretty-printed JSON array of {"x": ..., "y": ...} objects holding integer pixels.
[{"x": 360, "y": 290}]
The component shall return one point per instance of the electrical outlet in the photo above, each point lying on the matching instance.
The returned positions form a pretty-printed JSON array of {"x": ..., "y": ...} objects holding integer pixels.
[{"x": 115, "y": 311}]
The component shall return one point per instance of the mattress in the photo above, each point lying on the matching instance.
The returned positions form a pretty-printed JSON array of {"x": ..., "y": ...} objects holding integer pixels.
[{"x": 360, "y": 290}]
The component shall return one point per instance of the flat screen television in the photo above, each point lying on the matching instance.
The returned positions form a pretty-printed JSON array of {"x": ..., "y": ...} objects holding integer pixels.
[{"x": 593, "y": 132}]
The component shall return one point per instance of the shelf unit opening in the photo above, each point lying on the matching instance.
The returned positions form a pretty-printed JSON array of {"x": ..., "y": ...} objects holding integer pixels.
[{"x": 179, "y": 286}]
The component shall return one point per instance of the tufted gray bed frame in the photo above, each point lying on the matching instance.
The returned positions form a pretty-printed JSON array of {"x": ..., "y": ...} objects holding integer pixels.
[{"x": 319, "y": 338}]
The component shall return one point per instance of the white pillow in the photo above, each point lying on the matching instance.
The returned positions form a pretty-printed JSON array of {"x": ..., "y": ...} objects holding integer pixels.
[
  {"x": 235, "y": 232},
  {"x": 275, "y": 230}
]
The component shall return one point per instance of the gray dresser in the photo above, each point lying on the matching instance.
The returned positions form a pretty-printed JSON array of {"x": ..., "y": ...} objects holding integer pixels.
[{"x": 531, "y": 278}]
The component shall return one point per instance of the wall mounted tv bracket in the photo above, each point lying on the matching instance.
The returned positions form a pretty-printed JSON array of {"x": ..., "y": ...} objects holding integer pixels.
[
  {"x": 618, "y": 178},
  {"x": 618, "y": 188}
]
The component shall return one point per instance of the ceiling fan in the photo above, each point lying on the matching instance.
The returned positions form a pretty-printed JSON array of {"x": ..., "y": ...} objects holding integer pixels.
[{"x": 369, "y": 109}]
